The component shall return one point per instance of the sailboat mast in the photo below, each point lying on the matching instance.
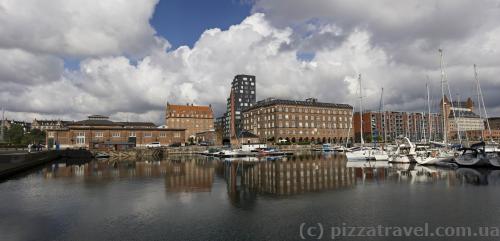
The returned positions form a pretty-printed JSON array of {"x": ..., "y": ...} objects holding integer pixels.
[
  {"x": 361, "y": 109},
  {"x": 445, "y": 134},
  {"x": 2, "y": 137},
  {"x": 480, "y": 93},
  {"x": 429, "y": 120},
  {"x": 383, "y": 116}
]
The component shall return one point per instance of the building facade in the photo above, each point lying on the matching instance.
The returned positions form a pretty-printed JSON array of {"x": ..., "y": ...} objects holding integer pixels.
[
  {"x": 389, "y": 125},
  {"x": 494, "y": 123},
  {"x": 460, "y": 118},
  {"x": 242, "y": 95},
  {"x": 25, "y": 125},
  {"x": 299, "y": 121},
  {"x": 193, "y": 118},
  {"x": 99, "y": 132},
  {"x": 48, "y": 124}
]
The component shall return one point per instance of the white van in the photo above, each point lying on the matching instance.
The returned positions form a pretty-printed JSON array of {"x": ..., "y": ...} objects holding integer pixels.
[{"x": 153, "y": 145}]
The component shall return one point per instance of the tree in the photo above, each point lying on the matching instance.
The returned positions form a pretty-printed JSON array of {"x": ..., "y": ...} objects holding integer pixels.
[
  {"x": 15, "y": 134},
  {"x": 37, "y": 136}
]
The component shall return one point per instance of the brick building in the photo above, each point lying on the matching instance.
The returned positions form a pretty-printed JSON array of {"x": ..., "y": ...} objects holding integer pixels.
[
  {"x": 298, "y": 121},
  {"x": 460, "y": 116},
  {"x": 390, "y": 125},
  {"x": 99, "y": 132},
  {"x": 48, "y": 124},
  {"x": 193, "y": 118}
]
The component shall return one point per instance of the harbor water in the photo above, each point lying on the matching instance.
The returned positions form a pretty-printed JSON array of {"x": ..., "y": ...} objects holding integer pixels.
[{"x": 194, "y": 197}]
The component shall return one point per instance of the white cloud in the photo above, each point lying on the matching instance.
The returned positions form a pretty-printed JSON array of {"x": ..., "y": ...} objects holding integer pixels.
[{"x": 78, "y": 28}]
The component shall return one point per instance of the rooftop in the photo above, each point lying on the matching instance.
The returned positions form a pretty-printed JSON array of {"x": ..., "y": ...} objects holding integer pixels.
[
  {"x": 189, "y": 107},
  {"x": 463, "y": 114},
  {"x": 311, "y": 102}
]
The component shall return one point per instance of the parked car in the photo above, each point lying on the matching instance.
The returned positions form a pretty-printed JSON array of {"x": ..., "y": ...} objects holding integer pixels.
[
  {"x": 153, "y": 145},
  {"x": 175, "y": 144}
]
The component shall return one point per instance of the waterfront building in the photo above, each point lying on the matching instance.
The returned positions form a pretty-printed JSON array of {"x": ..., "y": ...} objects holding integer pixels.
[
  {"x": 193, "y": 118},
  {"x": 25, "y": 125},
  {"x": 488, "y": 134},
  {"x": 460, "y": 116},
  {"x": 210, "y": 138},
  {"x": 99, "y": 132},
  {"x": 48, "y": 124},
  {"x": 299, "y": 121},
  {"x": 389, "y": 125},
  {"x": 241, "y": 96},
  {"x": 494, "y": 123}
]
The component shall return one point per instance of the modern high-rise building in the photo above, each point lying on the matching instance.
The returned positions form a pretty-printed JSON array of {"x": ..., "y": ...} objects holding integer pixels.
[{"x": 242, "y": 95}]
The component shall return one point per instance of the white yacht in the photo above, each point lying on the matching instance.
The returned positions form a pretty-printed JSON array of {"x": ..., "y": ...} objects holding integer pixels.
[
  {"x": 405, "y": 153},
  {"x": 360, "y": 154},
  {"x": 435, "y": 157}
]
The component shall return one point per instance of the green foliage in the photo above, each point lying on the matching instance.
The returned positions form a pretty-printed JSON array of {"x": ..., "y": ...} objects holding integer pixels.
[
  {"x": 16, "y": 135},
  {"x": 304, "y": 143}
]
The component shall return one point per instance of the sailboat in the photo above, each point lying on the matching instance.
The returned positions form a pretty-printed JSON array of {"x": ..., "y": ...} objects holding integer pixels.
[
  {"x": 361, "y": 153},
  {"x": 438, "y": 155},
  {"x": 480, "y": 154}
]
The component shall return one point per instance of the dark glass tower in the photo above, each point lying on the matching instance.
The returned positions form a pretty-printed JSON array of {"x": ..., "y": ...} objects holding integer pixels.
[{"x": 241, "y": 96}]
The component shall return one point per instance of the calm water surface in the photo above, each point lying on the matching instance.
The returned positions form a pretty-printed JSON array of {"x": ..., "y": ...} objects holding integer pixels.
[{"x": 200, "y": 198}]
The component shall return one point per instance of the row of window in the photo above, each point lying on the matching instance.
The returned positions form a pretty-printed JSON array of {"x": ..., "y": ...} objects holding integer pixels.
[
  {"x": 99, "y": 134},
  {"x": 295, "y": 132},
  {"x": 301, "y": 110},
  {"x": 302, "y": 125},
  {"x": 188, "y": 115},
  {"x": 299, "y": 117}
]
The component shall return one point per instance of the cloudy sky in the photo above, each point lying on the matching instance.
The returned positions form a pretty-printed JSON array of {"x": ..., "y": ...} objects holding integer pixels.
[{"x": 66, "y": 59}]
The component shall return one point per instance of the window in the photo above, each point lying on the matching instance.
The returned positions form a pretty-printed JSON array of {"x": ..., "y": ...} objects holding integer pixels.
[
  {"x": 80, "y": 138},
  {"x": 99, "y": 134},
  {"x": 148, "y": 134},
  {"x": 51, "y": 134},
  {"x": 132, "y": 134},
  {"x": 177, "y": 134},
  {"x": 163, "y": 134},
  {"x": 116, "y": 134}
]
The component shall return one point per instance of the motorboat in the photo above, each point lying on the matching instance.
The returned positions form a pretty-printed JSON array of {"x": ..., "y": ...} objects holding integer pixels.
[
  {"x": 474, "y": 156},
  {"x": 102, "y": 155},
  {"x": 405, "y": 153},
  {"x": 327, "y": 147},
  {"x": 434, "y": 157}
]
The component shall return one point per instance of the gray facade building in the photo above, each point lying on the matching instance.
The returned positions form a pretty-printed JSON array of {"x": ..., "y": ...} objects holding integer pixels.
[{"x": 242, "y": 95}]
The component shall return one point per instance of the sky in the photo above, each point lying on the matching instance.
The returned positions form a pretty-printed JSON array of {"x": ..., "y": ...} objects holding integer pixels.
[{"x": 67, "y": 59}]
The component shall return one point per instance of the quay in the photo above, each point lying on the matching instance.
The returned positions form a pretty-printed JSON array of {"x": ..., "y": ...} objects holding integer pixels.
[{"x": 13, "y": 162}]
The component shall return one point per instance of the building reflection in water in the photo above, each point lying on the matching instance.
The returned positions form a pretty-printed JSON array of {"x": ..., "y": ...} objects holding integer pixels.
[
  {"x": 277, "y": 176},
  {"x": 189, "y": 175},
  {"x": 181, "y": 173},
  {"x": 288, "y": 175}
]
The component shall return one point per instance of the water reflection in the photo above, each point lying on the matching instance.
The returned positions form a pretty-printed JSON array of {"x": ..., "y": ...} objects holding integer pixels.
[
  {"x": 288, "y": 175},
  {"x": 276, "y": 177}
]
